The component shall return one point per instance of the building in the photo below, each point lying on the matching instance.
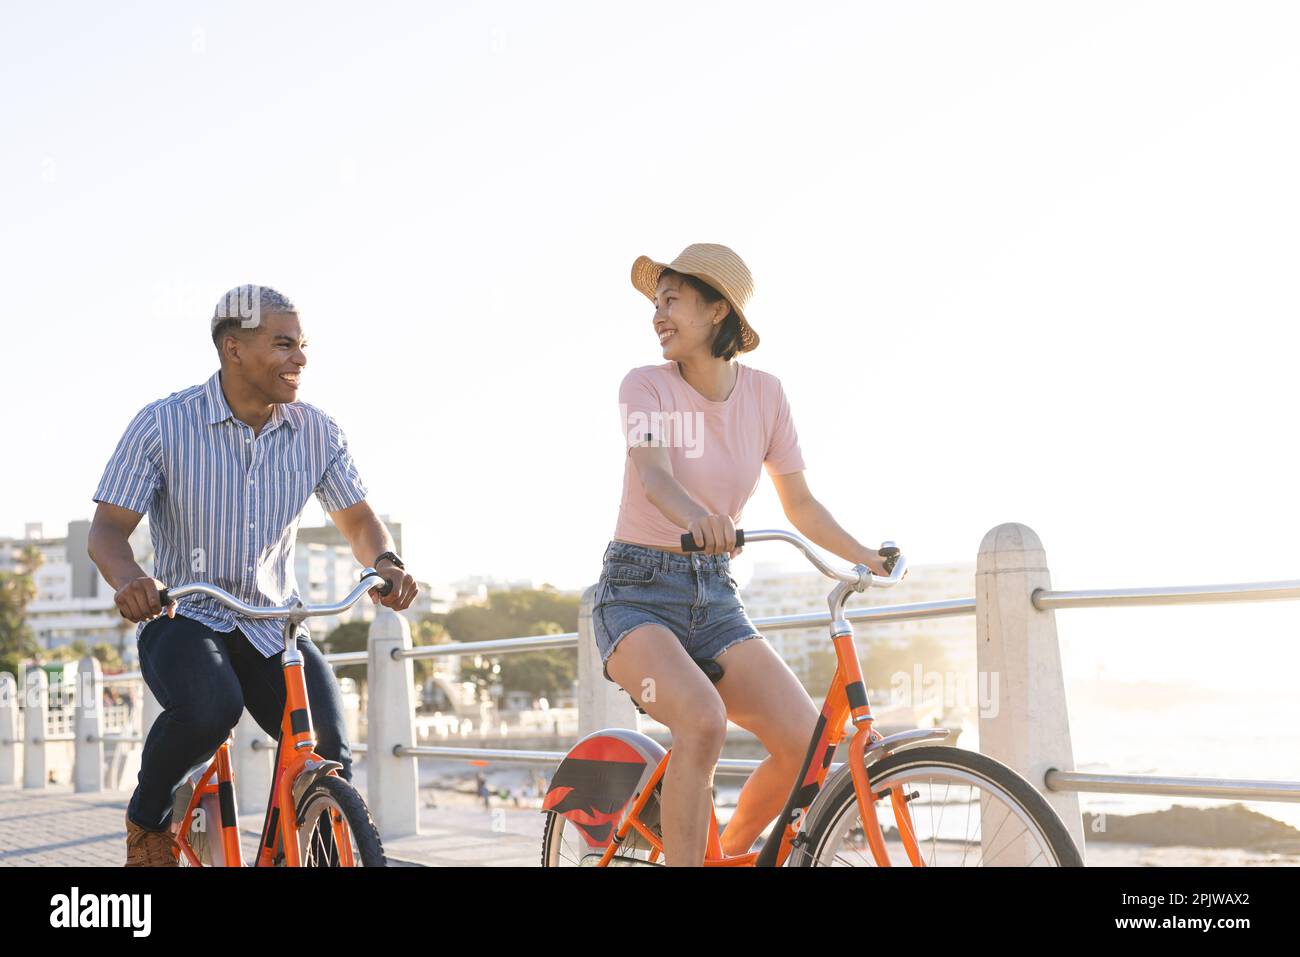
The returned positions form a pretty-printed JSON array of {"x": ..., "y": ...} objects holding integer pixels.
[
  {"x": 73, "y": 602},
  {"x": 326, "y": 570},
  {"x": 774, "y": 590},
  {"x": 474, "y": 589}
]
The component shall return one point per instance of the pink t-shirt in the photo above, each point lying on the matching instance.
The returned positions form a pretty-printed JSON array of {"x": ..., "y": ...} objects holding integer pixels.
[{"x": 717, "y": 449}]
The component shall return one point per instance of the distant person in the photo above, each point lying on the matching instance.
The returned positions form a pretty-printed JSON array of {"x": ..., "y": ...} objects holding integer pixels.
[
  {"x": 481, "y": 781},
  {"x": 224, "y": 470},
  {"x": 700, "y": 428}
]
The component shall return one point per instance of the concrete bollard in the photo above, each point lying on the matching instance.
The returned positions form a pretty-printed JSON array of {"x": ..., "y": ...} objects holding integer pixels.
[
  {"x": 9, "y": 740},
  {"x": 392, "y": 783},
  {"x": 36, "y": 701},
  {"x": 88, "y": 724},
  {"x": 601, "y": 702},
  {"x": 1030, "y": 727},
  {"x": 253, "y": 767}
]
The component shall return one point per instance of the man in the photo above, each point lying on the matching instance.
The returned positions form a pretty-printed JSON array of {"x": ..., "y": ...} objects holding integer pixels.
[{"x": 224, "y": 470}]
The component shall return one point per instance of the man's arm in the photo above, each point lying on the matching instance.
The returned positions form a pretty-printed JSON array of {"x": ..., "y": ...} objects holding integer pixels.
[
  {"x": 370, "y": 539},
  {"x": 109, "y": 547}
]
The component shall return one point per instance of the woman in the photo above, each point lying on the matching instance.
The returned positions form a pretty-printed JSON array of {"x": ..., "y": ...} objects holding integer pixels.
[{"x": 700, "y": 428}]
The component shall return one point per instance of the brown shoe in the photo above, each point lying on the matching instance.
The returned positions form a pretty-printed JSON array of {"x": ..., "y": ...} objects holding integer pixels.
[{"x": 146, "y": 848}]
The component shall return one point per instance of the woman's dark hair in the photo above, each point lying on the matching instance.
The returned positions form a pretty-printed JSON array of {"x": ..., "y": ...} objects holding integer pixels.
[{"x": 728, "y": 340}]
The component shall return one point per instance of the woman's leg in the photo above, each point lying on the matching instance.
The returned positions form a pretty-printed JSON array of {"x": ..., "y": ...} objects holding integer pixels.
[
  {"x": 651, "y": 665},
  {"x": 763, "y": 696}
]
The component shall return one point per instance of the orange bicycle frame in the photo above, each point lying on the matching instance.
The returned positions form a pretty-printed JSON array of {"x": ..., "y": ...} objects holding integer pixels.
[
  {"x": 846, "y": 699},
  {"x": 295, "y": 749}
]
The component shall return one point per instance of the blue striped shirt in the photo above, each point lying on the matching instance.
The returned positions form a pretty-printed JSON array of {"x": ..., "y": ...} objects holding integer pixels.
[{"x": 223, "y": 503}]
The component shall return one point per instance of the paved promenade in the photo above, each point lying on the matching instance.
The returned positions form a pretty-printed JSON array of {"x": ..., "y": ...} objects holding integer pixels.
[{"x": 56, "y": 827}]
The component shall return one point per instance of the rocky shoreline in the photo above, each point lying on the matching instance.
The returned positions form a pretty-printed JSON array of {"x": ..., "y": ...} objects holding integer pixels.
[{"x": 1231, "y": 826}]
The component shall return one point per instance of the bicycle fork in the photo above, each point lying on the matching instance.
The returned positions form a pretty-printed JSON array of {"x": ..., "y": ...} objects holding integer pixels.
[{"x": 855, "y": 691}]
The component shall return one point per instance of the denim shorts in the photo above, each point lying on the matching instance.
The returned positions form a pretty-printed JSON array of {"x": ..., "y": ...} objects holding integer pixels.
[{"x": 693, "y": 596}]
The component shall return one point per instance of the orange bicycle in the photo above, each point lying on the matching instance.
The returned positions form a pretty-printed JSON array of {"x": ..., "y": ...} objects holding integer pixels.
[
  {"x": 314, "y": 817},
  {"x": 895, "y": 801}
]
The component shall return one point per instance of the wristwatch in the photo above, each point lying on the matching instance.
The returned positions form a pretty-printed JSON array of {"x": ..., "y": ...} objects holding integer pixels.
[{"x": 392, "y": 557}]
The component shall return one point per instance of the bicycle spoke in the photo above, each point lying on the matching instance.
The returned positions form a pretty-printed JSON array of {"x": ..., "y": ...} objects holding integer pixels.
[
  {"x": 965, "y": 833},
  {"x": 325, "y": 839},
  {"x": 840, "y": 841},
  {"x": 933, "y": 832},
  {"x": 993, "y": 840},
  {"x": 1008, "y": 843},
  {"x": 947, "y": 788},
  {"x": 560, "y": 846}
]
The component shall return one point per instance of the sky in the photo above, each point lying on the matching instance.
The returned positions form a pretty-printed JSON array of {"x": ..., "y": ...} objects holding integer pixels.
[{"x": 1014, "y": 262}]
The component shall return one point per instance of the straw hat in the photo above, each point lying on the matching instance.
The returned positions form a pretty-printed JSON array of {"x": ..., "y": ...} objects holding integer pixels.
[{"x": 718, "y": 266}]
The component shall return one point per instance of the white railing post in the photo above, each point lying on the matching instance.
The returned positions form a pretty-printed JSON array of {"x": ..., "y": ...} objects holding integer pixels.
[
  {"x": 1026, "y": 725},
  {"x": 253, "y": 767},
  {"x": 8, "y": 729},
  {"x": 36, "y": 709},
  {"x": 601, "y": 702},
  {"x": 392, "y": 783},
  {"x": 88, "y": 725}
]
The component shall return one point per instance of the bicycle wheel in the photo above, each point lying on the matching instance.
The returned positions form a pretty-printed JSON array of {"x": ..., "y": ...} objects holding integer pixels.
[
  {"x": 967, "y": 811},
  {"x": 565, "y": 845},
  {"x": 331, "y": 803}
]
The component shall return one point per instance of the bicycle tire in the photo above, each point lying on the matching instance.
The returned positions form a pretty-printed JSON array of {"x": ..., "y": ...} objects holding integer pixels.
[
  {"x": 824, "y": 824},
  {"x": 334, "y": 793}
]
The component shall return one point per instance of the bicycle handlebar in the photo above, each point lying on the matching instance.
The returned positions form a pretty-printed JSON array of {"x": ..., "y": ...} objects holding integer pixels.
[
  {"x": 895, "y": 560},
  {"x": 369, "y": 579}
]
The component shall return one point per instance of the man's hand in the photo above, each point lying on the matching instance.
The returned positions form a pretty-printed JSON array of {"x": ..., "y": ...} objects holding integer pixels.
[
  {"x": 137, "y": 600},
  {"x": 403, "y": 585}
]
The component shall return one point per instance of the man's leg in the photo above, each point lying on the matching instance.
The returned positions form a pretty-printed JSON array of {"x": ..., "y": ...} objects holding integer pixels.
[
  {"x": 264, "y": 693},
  {"x": 188, "y": 669}
]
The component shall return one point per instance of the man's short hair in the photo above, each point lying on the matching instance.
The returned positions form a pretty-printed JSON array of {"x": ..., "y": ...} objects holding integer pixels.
[{"x": 242, "y": 308}]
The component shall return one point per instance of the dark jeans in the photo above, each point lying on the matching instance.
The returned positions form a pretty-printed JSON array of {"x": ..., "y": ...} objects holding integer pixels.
[{"x": 204, "y": 679}]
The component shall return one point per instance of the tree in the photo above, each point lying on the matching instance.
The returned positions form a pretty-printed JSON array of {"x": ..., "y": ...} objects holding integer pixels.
[
  {"x": 108, "y": 656},
  {"x": 73, "y": 651},
  {"x": 349, "y": 636},
  {"x": 515, "y": 614},
  {"x": 17, "y": 588},
  {"x": 355, "y": 636}
]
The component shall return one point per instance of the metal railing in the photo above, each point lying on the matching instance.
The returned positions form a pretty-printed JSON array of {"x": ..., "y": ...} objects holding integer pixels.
[
  {"x": 1014, "y": 609},
  {"x": 1213, "y": 788},
  {"x": 727, "y": 767}
]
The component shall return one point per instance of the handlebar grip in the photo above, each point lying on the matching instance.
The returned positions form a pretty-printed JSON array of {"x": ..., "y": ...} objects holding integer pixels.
[
  {"x": 688, "y": 541},
  {"x": 164, "y": 598},
  {"x": 889, "y": 552},
  {"x": 387, "y": 586}
]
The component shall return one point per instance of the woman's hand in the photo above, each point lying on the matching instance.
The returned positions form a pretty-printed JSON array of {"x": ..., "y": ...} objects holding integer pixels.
[
  {"x": 715, "y": 534},
  {"x": 876, "y": 562}
]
